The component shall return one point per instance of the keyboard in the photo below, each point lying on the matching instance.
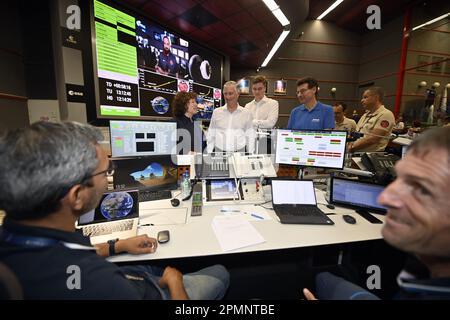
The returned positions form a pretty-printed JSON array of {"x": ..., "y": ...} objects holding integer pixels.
[
  {"x": 146, "y": 195},
  {"x": 301, "y": 210},
  {"x": 107, "y": 228},
  {"x": 301, "y": 214}
]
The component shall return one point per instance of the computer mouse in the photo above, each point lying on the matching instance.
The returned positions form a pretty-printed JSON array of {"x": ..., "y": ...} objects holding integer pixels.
[
  {"x": 349, "y": 219},
  {"x": 163, "y": 236},
  {"x": 330, "y": 206},
  {"x": 175, "y": 202}
]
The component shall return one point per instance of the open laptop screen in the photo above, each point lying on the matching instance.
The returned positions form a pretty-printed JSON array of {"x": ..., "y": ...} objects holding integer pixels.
[
  {"x": 293, "y": 192},
  {"x": 113, "y": 206}
]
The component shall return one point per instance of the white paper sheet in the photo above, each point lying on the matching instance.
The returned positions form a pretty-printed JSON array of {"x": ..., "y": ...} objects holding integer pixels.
[
  {"x": 234, "y": 232},
  {"x": 249, "y": 212}
]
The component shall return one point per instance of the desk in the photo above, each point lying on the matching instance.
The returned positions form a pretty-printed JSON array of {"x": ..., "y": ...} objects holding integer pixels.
[{"x": 196, "y": 238}]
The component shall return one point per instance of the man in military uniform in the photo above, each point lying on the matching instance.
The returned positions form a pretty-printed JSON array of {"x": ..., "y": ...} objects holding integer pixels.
[
  {"x": 376, "y": 124},
  {"x": 341, "y": 121}
]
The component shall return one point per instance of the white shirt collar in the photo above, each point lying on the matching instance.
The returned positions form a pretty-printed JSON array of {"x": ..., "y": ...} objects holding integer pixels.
[{"x": 263, "y": 99}]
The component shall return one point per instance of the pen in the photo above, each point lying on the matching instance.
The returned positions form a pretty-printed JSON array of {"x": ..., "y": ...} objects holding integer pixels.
[
  {"x": 256, "y": 216},
  {"x": 146, "y": 225},
  {"x": 224, "y": 210}
]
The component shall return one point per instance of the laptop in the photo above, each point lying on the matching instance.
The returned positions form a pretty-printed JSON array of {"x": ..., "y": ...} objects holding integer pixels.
[
  {"x": 116, "y": 217},
  {"x": 294, "y": 202}
]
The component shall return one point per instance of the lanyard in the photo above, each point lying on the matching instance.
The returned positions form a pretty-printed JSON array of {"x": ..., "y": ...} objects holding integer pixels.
[{"x": 38, "y": 242}]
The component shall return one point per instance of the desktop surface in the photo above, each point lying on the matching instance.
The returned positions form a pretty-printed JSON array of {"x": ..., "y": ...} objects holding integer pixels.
[{"x": 196, "y": 238}]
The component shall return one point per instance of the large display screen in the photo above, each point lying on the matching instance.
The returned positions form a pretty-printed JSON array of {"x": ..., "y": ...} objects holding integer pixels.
[
  {"x": 139, "y": 66},
  {"x": 142, "y": 138},
  {"x": 324, "y": 149}
]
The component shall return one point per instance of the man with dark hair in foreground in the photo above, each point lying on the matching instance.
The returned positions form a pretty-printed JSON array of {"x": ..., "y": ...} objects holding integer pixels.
[{"x": 51, "y": 174}]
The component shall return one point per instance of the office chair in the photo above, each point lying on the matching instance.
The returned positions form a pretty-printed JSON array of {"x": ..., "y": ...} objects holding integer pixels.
[{"x": 10, "y": 288}]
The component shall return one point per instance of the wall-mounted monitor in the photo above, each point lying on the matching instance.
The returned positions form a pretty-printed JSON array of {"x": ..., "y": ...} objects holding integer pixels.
[
  {"x": 243, "y": 86},
  {"x": 140, "y": 65}
]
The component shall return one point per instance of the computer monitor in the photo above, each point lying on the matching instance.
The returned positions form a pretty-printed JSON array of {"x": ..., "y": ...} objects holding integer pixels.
[
  {"x": 145, "y": 173},
  {"x": 356, "y": 194},
  {"x": 404, "y": 149},
  {"x": 323, "y": 149},
  {"x": 113, "y": 206},
  {"x": 142, "y": 138}
]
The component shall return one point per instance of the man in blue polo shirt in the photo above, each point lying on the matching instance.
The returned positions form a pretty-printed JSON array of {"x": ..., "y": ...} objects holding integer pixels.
[{"x": 310, "y": 114}]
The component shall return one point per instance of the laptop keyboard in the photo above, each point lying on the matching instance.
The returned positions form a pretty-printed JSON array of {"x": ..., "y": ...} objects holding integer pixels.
[
  {"x": 302, "y": 210},
  {"x": 154, "y": 195},
  {"x": 107, "y": 228}
]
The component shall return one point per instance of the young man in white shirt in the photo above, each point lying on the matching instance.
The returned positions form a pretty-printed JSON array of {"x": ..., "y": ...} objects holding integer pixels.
[
  {"x": 263, "y": 109},
  {"x": 231, "y": 127}
]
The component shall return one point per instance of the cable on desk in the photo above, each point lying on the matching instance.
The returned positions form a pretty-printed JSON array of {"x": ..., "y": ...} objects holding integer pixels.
[{"x": 261, "y": 205}]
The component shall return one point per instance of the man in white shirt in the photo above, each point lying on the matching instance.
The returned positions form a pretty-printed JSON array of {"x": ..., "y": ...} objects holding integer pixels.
[
  {"x": 263, "y": 109},
  {"x": 231, "y": 127}
]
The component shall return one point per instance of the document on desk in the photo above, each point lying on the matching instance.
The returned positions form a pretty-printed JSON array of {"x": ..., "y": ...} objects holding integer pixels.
[
  {"x": 235, "y": 232},
  {"x": 249, "y": 212}
]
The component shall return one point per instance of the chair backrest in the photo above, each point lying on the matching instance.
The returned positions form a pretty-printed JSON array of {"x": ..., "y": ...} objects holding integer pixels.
[{"x": 10, "y": 288}]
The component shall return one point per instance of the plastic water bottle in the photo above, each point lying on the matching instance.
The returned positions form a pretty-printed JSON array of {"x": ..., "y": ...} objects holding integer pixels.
[{"x": 185, "y": 185}]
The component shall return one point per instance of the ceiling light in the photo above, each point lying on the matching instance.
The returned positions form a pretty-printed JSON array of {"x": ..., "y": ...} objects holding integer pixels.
[
  {"x": 271, "y": 4},
  {"x": 281, "y": 17},
  {"x": 276, "y": 11},
  {"x": 331, "y": 8},
  {"x": 277, "y": 44},
  {"x": 432, "y": 21}
]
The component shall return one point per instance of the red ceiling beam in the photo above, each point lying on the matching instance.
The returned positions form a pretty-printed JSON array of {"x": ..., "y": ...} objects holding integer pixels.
[{"x": 401, "y": 66}]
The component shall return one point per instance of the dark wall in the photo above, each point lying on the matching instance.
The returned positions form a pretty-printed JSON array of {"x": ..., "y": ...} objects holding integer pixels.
[
  {"x": 380, "y": 58},
  {"x": 426, "y": 45},
  {"x": 351, "y": 62},
  {"x": 26, "y": 59},
  {"x": 325, "y": 52},
  {"x": 13, "y": 113}
]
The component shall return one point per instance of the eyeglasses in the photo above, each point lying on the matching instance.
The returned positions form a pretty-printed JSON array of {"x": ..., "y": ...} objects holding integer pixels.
[
  {"x": 109, "y": 172},
  {"x": 302, "y": 91}
]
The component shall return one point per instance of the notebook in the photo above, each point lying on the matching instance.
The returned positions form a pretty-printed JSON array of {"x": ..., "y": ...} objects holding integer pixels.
[
  {"x": 294, "y": 202},
  {"x": 116, "y": 217}
]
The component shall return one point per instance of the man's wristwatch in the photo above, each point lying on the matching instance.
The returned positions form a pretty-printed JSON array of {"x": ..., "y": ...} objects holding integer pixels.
[{"x": 112, "y": 246}]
